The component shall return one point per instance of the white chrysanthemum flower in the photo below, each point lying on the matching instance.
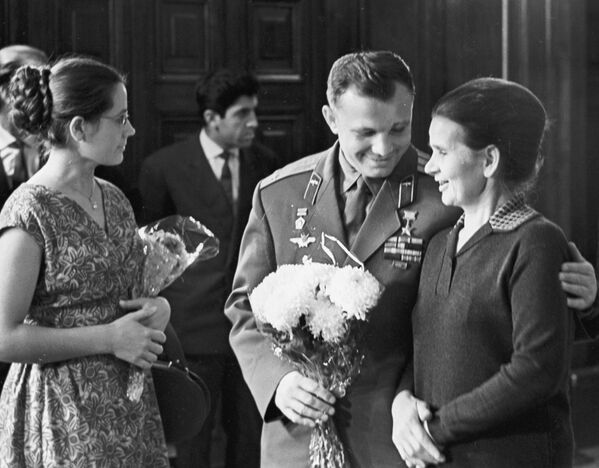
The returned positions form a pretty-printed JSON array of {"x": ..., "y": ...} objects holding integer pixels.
[
  {"x": 355, "y": 290},
  {"x": 326, "y": 320},
  {"x": 289, "y": 293},
  {"x": 319, "y": 272},
  {"x": 280, "y": 299}
]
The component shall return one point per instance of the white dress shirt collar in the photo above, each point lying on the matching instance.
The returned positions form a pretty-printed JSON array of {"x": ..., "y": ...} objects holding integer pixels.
[{"x": 212, "y": 149}]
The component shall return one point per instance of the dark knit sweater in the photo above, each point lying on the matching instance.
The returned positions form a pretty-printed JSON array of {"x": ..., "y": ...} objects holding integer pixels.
[{"x": 492, "y": 343}]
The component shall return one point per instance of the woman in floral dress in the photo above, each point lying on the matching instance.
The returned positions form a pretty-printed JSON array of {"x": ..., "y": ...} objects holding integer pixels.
[{"x": 70, "y": 256}]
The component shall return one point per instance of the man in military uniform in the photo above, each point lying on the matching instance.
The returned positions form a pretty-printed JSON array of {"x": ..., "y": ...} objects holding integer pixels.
[{"x": 368, "y": 191}]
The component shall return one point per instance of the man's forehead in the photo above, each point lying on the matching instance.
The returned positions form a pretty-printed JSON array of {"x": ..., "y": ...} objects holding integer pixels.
[
  {"x": 364, "y": 108},
  {"x": 402, "y": 99},
  {"x": 354, "y": 90}
]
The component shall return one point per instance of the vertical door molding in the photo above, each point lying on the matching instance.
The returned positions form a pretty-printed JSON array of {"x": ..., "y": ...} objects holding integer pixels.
[{"x": 546, "y": 52}]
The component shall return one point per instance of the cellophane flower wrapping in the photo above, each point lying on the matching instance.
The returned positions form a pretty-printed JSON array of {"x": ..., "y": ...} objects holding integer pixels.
[
  {"x": 170, "y": 246},
  {"x": 315, "y": 314}
]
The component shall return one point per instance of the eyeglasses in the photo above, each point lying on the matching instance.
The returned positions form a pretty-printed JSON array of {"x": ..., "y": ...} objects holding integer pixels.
[{"x": 119, "y": 119}]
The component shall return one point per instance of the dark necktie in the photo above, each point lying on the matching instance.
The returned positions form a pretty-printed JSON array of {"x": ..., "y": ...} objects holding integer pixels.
[
  {"x": 355, "y": 208},
  {"x": 225, "y": 177}
]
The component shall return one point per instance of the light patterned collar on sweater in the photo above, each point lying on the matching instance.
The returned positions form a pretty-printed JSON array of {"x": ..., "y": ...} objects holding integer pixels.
[{"x": 508, "y": 216}]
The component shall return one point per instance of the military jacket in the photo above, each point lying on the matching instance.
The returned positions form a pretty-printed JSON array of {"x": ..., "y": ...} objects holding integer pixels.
[{"x": 300, "y": 201}]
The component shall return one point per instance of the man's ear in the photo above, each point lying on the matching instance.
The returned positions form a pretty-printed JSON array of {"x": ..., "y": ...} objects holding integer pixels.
[
  {"x": 210, "y": 117},
  {"x": 77, "y": 129},
  {"x": 329, "y": 116},
  {"x": 492, "y": 156}
]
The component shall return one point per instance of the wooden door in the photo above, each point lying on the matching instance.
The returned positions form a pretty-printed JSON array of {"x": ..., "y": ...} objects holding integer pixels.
[
  {"x": 164, "y": 46},
  {"x": 174, "y": 42}
]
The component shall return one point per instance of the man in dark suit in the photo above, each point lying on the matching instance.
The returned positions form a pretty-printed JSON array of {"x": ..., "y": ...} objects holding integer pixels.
[
  {"x": 211, "y": 176},
  {"x": 370, "y": 192}
]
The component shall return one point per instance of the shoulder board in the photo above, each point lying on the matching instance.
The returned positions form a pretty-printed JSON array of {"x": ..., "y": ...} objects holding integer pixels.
[
  {"x": 306, "y": 164},
  {"x": 422, "y": 160}
]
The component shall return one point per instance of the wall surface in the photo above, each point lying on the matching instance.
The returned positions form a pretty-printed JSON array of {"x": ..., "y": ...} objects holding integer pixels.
[{"x": 165, "y": 45}]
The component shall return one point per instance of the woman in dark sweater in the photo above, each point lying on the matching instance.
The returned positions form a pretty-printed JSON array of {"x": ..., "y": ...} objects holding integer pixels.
[{"x": 492, "y": 336}]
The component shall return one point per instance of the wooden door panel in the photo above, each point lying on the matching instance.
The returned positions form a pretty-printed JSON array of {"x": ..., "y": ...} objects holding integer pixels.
[
  {"x": 84, "y": 26},
  {"x": 182, "y": 38},
  {"x": 275, "y": 42},
  {"x": 283, "y": 134},
  {"x": 269, "y": 37}
]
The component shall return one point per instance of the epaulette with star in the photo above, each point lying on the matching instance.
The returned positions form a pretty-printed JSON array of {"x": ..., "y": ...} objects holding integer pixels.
[
  {"x": 422, "y": 160},
  {"x": 306, "y": 164}
]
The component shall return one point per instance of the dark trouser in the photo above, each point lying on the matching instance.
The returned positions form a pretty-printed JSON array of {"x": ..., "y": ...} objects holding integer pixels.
[{"x": 240, "y": 418}]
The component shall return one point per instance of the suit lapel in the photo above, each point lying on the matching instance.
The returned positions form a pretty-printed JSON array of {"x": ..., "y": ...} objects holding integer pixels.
[
  {"x": 380, "y": 224},
  {"x": 248, "y": 178},
  {"x": 204, "y": 188},
  {"x": 383, "y": 219},
  {"x": 325, "y": 212}
]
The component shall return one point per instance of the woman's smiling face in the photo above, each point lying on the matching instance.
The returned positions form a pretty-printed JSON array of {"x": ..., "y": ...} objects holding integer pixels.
[{"x": 457, "y": 168}]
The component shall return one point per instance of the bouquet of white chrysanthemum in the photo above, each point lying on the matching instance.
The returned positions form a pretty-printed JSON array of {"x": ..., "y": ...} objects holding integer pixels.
[
  {"x": 170, "y": 246},
  {"x": 314, "y": 315}
]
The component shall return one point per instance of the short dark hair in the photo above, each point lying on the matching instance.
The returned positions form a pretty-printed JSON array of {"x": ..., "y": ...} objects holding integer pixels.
[
  {"x": 44, "y": 99},
  {"x": 493, "y": 111},
  {"x": 218, "y": 90},
  {"x": 374, "y": 74}
]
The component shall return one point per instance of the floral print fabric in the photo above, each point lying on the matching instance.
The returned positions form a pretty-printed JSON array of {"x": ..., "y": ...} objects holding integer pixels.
[{"x": 76, "y": 413}]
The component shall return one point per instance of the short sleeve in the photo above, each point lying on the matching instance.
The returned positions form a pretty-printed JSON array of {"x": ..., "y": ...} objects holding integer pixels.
[{"x": 22, "y": 210}]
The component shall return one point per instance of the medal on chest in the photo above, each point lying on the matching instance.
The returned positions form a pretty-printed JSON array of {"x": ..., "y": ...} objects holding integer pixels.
[
  {"x": 405, "y": 249},
  {"x": 303, "y": 238}
]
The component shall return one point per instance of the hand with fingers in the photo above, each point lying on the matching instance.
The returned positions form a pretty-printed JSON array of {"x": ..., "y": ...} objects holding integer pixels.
[
  {"x": 578, "y": 280},
  {"x": 160, "y": 310},
  {"x": 303, "y": 400},
  {"x": 134, "y": 342},
  {"x": 410, "y": 437}
]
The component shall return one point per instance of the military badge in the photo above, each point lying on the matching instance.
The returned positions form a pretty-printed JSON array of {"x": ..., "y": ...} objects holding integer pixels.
[
  {"x": 304, "y": 240},
  {"x": 300, "y": 218}
]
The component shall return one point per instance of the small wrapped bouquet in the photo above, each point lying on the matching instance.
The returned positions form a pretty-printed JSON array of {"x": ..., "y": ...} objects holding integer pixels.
[
  {"x": 314, "y": 315},
  {"x": 170, "y": 246}
]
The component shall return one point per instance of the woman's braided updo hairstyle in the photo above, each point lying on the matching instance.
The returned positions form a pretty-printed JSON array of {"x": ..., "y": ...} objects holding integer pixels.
[{"x": 44, "y": 100}]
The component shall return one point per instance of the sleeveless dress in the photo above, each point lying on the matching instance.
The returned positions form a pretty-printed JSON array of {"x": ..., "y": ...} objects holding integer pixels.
[{"x": 76, "y": 413}]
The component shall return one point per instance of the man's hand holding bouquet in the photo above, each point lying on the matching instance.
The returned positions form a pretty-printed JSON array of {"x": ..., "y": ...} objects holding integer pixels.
[
  {"x": 170, "y": 246},
  {"x": 314, "y": 314}
]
